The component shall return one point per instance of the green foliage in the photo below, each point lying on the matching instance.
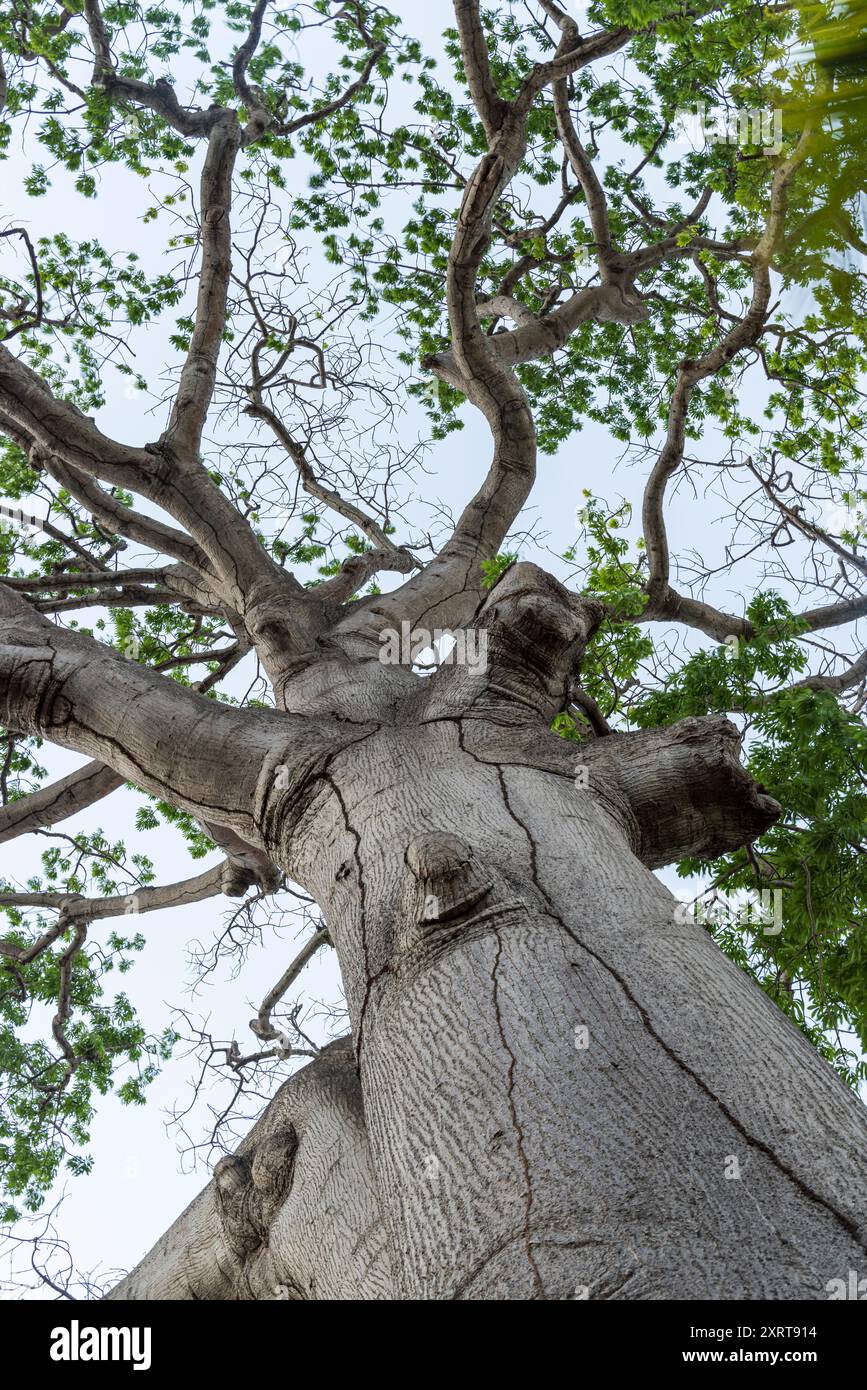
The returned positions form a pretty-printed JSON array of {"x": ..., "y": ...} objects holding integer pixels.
[
  {"x": 47, "y": 1103},
  {"x": 810, "y": 755},
  {"x": 738, "y": 675},
  {"x": 49, "y": 1092},
  {"x": 493, "y": 569},
  {"x": 162, "y": 812},
  {"x": 614, "y": 653}
]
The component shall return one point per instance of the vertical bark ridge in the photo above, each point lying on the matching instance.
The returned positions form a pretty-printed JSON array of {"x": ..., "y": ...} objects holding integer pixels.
[{"x": 538, "y": 1287}]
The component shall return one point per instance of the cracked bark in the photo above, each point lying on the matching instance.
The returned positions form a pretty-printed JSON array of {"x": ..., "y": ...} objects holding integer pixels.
[
  {"x": 483, "y": 907},
  {"x": 511, "y": 1163}
]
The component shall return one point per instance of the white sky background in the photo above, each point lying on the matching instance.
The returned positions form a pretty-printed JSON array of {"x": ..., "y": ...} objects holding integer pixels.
[{"x": 138, "y": 1186}]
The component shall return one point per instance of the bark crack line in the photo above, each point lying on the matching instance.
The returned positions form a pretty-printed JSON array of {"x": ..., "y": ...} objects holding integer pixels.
[
  {"x": 356, "y": 846},
  {"x": 481, "y": 1265},
  {"x": 316, "y": 774},
  {"x": 758, "y": 1144},
  {"x": 49, "y": 699},
  {"x": 804, "y": 1188},
  {"x": 516, "y": 1125}
]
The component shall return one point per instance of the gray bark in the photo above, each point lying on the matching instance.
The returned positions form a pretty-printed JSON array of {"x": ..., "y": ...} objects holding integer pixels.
[
  {"x": 486, "y": 911},
  {"x": 292, "y": 1215}
]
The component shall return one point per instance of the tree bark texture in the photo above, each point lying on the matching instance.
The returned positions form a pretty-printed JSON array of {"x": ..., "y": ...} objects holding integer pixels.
[{"x": 566, "y": 1090}]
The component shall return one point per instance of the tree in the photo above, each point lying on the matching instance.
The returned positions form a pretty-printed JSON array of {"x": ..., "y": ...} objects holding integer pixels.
[{"x": 559, "y": 1083}]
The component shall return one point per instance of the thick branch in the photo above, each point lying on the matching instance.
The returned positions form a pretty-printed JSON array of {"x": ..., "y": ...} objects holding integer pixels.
[
  {"x": 199, "y": 373},
  {"x": 293, "y": 1214},
  {"x": 85, "y": 579},
  {"x": 530, "y": 632},
  {"x": 241, "y": 60},
  {"x": 56, "y": 802},
  {"x": 572, "y": 54},
  {"x": 454, "y": 576},
  {"x": 75, "y": 908},
  {"x": 582, "y": 165},
  {"x": 215, "y": 761},
  {"x": 357, "y": 570},
  {"x": 244, "y": 864},
  {"x": 160, "y": 97},
  {"x": 251, "y": 583},
  {"x": 121, "y": 520},
  {"x": 684, "y": 786},
  {"x": 667, "y": 605},
  {"x": 474, "y": 51},
  {"x": 844, "y": 680},
  {"x": 609, "y": 303},
  {"x": 834, "y": 614}
]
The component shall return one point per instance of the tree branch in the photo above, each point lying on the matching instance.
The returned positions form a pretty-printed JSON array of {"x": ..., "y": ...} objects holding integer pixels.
[
  {"x": 490, "y": 105},
  {"x": 35, "y": 319},
  {"x": 357, "y": 570},
  {"x": 76, "y": 908},
  {"x": 121, "y": 520},
  {"x": 852, "y": 675},
  {"x": 261, "y": 1025},
  {"x": 314, "y": 488},
  {"x": 744, "y": 333},
  {"x": 613, "y": 302},
  {"x": 794, "y": 518},
  {"x": 251, "y": 583},
  {"x": 320, "y": 113},
  {"x": 183, "y": 433},
  {"x": 242, "y": 57},
  {"x": 58, "y": 801},
  {"x": 293, "y": 1214},
  {"x": 160, "y": 97},
  {"x": 215, "y": 761},
  {"x": 685, "y": 786},
  {"x": 582, "y": 165}
]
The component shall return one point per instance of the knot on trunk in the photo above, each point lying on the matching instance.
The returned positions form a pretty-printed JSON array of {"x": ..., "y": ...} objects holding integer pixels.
[
  {"x": 444, "y": 881},
  {"x": 536, "y": 624},
  {"x": 533, "y": 633},
  {"x": 237, "y": 877},
  {"x": 685, "y": 786},
  {"x": 251, "y": 1188},
  {"x": 285, "y": 625}
]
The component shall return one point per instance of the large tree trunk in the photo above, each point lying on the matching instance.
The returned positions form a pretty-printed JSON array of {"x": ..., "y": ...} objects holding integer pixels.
[
  {"x": 556, "y": 1087},
  {"x": 567, "y": 1090},
  {"x": 684, "y": 1152}
]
